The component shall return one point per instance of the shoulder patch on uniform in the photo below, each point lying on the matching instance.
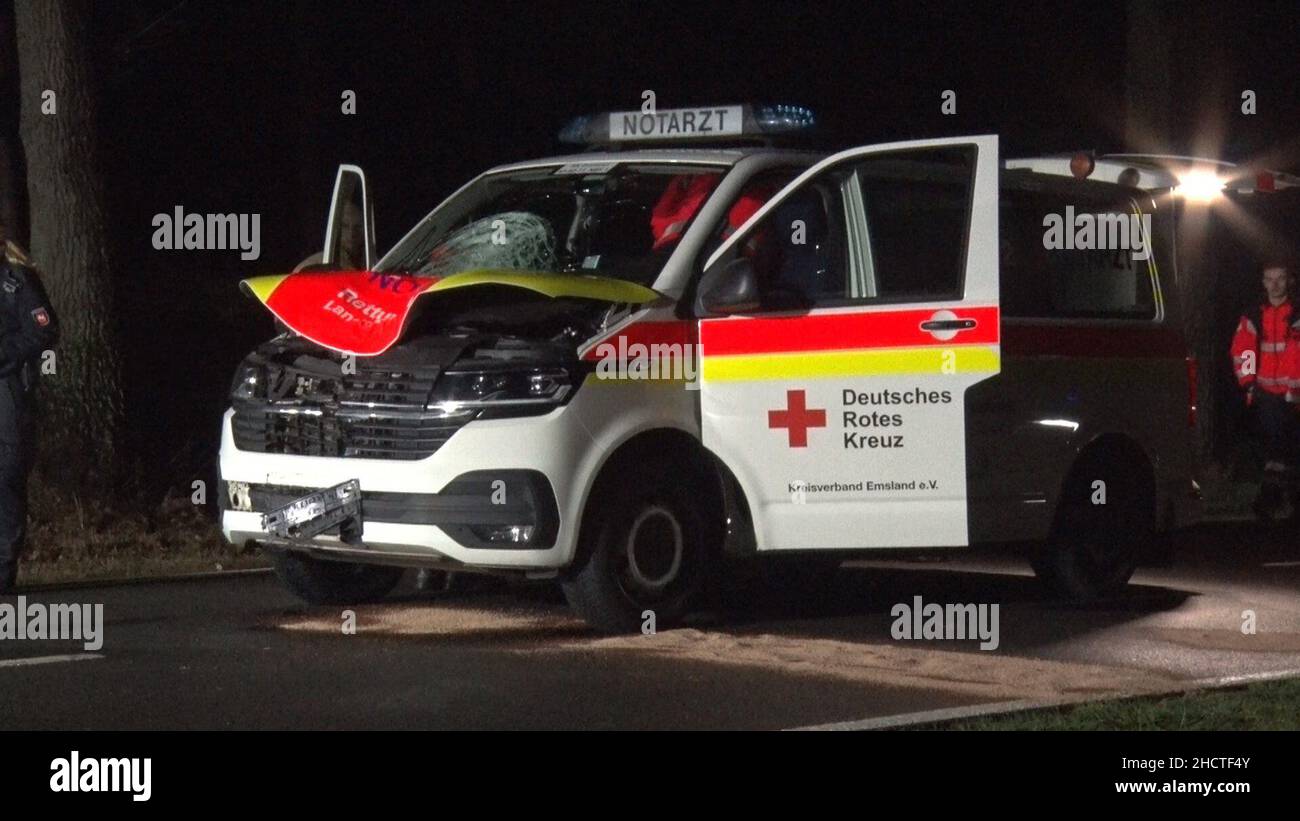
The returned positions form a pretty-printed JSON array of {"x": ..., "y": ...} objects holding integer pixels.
[{"x": 41, "y": 317}]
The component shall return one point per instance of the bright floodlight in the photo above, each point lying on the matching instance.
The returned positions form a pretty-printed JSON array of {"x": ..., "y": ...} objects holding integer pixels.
[{"x": 1200, "y": 185}]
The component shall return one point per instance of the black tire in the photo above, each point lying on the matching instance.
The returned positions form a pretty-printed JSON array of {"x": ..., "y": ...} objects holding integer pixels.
[
  {"x": 1094, "y": 548},
  {"x": 644, "y": 547},
  {"x": 1274, "y": 497},
  {"x": 324, "y": 582}
]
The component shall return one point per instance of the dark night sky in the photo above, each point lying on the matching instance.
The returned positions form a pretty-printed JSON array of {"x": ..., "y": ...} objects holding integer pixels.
[
  {"x": 222, "y": 107},
  {"x": 236, "y": 107}
]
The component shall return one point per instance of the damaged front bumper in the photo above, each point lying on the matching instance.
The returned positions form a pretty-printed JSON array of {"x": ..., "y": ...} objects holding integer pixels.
[
  {"x": 480, "y": 510},
  {"x": 444, "y": 510}
]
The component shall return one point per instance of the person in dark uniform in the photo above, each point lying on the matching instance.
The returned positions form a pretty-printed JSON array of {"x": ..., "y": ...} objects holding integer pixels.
[{"x": 27, "y": 328}]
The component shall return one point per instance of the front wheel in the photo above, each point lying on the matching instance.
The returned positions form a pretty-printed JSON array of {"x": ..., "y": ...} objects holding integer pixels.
[
  {"x": 645, "y": 556},
  {"x": 324, "y": 582}
]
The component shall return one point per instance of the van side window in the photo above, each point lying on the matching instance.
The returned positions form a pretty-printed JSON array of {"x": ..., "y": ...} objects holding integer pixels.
[
  {"x": 799, "y": 252},
  {"x": 1064, "y": 282},
  {"x": 917, "y": 208},
  {"x": 756, "y": 192},
  {"x": 886, "y": 227}
]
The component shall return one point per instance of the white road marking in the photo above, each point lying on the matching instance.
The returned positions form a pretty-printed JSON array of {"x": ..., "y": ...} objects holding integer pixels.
[
  {"x": 926, "y": 716},
  {"x": 1000, "y": 707},
  {"x": 1249, "y": 678},
  {"x": 35, "y": 660},
  {"x": 1281, "y": 564}
]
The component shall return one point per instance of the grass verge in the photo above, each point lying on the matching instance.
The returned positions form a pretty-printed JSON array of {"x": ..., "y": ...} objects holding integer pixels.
[
  {"x": 69, "y": 540},
  {"x": 1272, "y": 705}
]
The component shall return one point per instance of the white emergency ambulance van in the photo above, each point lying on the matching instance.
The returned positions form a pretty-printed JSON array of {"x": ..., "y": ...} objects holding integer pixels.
[{"x": 627, "y": 368}]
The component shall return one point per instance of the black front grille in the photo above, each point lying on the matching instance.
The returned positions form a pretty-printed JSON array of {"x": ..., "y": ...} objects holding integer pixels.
[
  {"x": 365, "y": 416},
  {"x": 402, "y": 390}
]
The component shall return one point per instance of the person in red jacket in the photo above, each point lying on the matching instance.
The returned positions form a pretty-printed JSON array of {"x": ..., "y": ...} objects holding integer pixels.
[
  {"x": 677, "y": 205},
  {"x": 1266, "y": 360}
]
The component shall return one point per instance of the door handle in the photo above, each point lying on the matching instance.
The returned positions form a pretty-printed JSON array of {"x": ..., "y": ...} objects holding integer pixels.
[{"x": 948, "y": 324}]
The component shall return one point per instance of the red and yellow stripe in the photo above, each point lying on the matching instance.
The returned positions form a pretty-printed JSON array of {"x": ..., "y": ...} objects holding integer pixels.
[{"x": 859, "y": 343}]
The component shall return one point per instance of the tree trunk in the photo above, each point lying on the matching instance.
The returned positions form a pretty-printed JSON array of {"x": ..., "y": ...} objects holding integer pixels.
[
  {"x": 9, "y": 203},
  {"x": 82, "y": 401},
  {"x": 13, "y": 212},
  {"x": 1156, "y": 60}
]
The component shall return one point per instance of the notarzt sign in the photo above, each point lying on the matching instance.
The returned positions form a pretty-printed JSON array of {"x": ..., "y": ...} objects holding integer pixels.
[{"x": 675, "y": 123}]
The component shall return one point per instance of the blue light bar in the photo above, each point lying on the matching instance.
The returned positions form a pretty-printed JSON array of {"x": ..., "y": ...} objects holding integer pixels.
[
  {"x": 684, "y": 125},
  {"x": 784, "y": 119},
  {"x": 575, "y": 133}
]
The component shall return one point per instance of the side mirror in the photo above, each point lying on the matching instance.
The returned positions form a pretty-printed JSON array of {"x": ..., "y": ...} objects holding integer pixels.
[{"x": 728, "y": 289}]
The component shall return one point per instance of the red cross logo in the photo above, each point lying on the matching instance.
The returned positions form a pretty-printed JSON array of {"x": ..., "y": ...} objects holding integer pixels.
[{"x": 797, "y": 418}]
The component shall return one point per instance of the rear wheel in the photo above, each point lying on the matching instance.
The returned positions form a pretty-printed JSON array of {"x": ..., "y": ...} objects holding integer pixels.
[
  {"x": 644, "y": 551},
  {"x": 1105, "y": 516},
  {"x": 324, "y": 582}
]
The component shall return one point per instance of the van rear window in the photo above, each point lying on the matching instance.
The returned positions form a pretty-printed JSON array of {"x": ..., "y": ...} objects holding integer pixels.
[{"x": 1046, "y": 274}]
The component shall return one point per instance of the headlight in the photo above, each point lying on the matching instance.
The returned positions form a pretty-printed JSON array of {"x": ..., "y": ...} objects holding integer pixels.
[
  {"x": 248, "y": 383},
  {"x": 497, "y": 388}
]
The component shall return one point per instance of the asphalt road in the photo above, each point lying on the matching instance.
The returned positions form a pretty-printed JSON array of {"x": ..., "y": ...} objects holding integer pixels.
[{"x": 239, "y": 652}]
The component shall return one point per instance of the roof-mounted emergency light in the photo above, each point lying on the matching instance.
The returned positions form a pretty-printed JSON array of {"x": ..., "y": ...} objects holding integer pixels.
[{"x": 737, "y": 123}]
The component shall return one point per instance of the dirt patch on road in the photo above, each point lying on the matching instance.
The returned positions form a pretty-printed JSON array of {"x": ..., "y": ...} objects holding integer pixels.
[
  {"x": 538, "y": 629},
  {"x": 973, "y": 673},
  {"x": 1231, "y": 640},
  {"x": 436, "y": 621}
]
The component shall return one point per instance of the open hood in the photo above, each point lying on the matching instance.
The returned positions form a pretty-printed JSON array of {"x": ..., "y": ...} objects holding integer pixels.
[{"x": 365, "y": 312}]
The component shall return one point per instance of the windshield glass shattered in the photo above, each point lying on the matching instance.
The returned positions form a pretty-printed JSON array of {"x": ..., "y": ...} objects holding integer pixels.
[{"x": 616, "y": 220}]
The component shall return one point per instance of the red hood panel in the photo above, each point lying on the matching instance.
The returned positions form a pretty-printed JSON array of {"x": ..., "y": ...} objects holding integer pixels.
[{"x": 354, "y": 312}]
